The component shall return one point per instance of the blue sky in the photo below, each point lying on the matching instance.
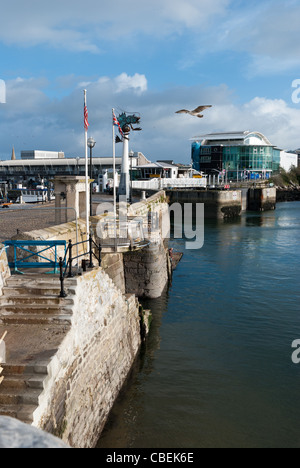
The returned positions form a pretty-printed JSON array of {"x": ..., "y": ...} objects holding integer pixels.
[{"x": 151, "y": 57}]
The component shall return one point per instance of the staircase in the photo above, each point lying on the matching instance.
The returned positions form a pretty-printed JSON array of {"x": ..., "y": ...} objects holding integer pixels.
[
  {"x": 20, "y": 390},
  {"x": 31, "y": 300},
  {"x": 37, "y": 320}
]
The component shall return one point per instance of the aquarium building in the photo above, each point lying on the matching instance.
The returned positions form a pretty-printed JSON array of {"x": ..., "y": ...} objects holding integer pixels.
[{"x": 241, "y": 155}]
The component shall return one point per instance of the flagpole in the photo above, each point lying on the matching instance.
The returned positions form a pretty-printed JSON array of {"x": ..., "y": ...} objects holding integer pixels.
[
  {"x": 86, "y": 173},
  {"x": 114, "y": 164}
]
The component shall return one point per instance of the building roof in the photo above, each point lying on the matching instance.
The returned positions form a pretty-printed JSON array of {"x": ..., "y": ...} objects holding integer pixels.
[
  {"x": 57, "y": 162},
  {"x": 160, "y": 165},
  {"x": 242, "y": 137}
]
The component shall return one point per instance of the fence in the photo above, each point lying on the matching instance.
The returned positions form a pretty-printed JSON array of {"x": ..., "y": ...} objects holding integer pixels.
[
  {"x": 32, "y": 254},
  {"x": 65, "y": 266},
  {"x": 161, "y": 184}
]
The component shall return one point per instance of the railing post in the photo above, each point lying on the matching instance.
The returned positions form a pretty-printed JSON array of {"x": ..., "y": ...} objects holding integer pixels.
[
  {"x": 70, "y": 275},
  {"x": 61, "y": 277},
  {"x": 91, "y": 251},
  {"x": 99, "y": 253}
]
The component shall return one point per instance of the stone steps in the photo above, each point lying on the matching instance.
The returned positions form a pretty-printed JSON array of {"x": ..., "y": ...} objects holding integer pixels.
[
  {"x": 41, "y": 290},
  {"x": 23, "y": 299},
  {"x": 20, "y": 412},
  {"x": 34, "y": 319},
  {"x": 20, "y": 390},
  {"x": 30, "y": 300}
]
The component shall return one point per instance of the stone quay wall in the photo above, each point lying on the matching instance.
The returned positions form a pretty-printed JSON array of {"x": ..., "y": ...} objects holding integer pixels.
[
  {"x": 147, "y": 271},
  {"x": 92, "y": 363},
  {"x": 218, "y": 204},
  {"x": 262, "y": 199}
]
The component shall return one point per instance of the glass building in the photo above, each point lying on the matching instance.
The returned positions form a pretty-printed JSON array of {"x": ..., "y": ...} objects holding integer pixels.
[{"x": 241, "y": 155}]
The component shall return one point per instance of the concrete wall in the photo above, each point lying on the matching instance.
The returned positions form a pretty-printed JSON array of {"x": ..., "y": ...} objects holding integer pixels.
[
  {"x": 66, "y": 231},
  {"x": 91, "y": 365},
  {"x": 262, "y": 199},
  {"x": 218, "y": 204},
  {"x": 4, "y": 268}
]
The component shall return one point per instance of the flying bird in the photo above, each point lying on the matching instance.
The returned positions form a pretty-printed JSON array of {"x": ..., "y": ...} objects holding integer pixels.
[{"x": 196, "y": 112}]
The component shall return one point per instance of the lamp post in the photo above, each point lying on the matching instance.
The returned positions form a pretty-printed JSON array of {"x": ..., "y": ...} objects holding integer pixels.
[
  {"x": 77, "y": 161},
  {"x": 91, "y": 144},
  {"x": 131, "y": 156}
]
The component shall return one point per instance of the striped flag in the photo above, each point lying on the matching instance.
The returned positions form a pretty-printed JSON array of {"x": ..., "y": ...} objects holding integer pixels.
[
  {"x": 117, "y": 124},
  {"x": 86, "y": 119}
]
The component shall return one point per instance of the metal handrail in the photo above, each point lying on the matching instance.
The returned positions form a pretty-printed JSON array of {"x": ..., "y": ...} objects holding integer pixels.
[{"x": 66, "y": 266}]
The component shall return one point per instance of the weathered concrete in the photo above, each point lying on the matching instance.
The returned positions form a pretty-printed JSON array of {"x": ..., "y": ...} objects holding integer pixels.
[
  {"x": 262, "y": 199},
  {"x": 17, "y": 435},
  {"x": 218, "y": 204}
]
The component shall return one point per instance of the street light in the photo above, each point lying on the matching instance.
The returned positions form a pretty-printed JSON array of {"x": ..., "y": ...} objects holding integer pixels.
[
  {"x": 91, "y": 144},
  {"x": 131, "y": 156},
  {"x": 78, "y": 160}
]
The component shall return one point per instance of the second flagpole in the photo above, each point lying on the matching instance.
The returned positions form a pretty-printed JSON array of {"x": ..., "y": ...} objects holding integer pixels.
[{"x": 86, "y": 171}]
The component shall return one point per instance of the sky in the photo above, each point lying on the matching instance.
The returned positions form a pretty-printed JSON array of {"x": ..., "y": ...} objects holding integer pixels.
[{"x": 154, "y": 58}]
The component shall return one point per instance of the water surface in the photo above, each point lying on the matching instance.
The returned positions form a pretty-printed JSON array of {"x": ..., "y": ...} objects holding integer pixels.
[{"x": 217, "y": 370}]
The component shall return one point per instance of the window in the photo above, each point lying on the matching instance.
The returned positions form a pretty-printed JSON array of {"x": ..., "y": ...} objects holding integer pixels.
[
  {"x": 206, "y": 150},
  {"x": 205, "y": 159}
]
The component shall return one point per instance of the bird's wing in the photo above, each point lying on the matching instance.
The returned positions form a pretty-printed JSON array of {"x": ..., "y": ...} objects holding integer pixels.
[
  {"x": 201, "y": 108},
  {"x": 183, "y": 111}
]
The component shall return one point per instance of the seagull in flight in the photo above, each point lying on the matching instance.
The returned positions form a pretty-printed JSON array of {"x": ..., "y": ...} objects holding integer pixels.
[{"x": 196, "y": 112}]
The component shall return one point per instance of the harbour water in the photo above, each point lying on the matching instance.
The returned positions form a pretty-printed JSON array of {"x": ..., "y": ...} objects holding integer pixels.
[{"x": 216, "y": 370}]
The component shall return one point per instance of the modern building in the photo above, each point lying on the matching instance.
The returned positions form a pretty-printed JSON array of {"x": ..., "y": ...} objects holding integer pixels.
[
  {"x": 25, "y": 170},
  {"x": 35, "y": 166},
  {"x": 240, "y": 155}
]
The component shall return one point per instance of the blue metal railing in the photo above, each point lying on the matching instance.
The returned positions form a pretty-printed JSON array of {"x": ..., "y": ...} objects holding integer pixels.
[{"x": 43, "y": 261}]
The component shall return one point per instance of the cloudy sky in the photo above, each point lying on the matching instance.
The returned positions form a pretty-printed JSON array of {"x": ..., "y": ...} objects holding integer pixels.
[{"x": 148, "y": 57}]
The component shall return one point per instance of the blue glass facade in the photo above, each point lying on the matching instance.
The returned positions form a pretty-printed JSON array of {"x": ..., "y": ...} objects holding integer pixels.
[{"x": 235, "y": 159}]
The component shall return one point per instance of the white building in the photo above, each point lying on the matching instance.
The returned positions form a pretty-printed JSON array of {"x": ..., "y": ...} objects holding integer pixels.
[
  {"x": 37, "y": 154},
  {"x": 288, "y": 160}
]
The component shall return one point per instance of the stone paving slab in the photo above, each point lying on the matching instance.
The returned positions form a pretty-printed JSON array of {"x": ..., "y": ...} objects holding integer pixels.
[{"x": 30, "y": 344}]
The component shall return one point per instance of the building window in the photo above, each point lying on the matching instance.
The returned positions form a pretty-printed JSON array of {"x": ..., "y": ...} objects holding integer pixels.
[
  {"x": 205, "y": 159},
  {"x": 206, "y": 150}
]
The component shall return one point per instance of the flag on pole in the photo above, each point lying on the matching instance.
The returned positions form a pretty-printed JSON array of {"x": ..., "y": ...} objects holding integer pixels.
[
  {"x": 117, "y": 124},
  {"x": 86, "y": 118}
]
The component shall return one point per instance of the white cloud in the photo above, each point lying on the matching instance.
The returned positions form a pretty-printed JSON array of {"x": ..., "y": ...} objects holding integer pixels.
[
  {"x": 31, "y": 120},
  {"x": 2, "y": 92},
  {"x": 136, "y": 82},
  {"x": 74, "y": 25}
]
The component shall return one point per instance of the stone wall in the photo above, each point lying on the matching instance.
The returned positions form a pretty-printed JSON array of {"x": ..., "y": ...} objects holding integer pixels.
[
  {"x": 146, "y": 271},
  {"x": 113, "y": 266},
  {"x": 66, "y": 231},
  {"x": 262, "y": 199},
  {"x": 218, "y": 204},
  {"x": 91, "y": 365},
  {"x": 4, "y": 268}
]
